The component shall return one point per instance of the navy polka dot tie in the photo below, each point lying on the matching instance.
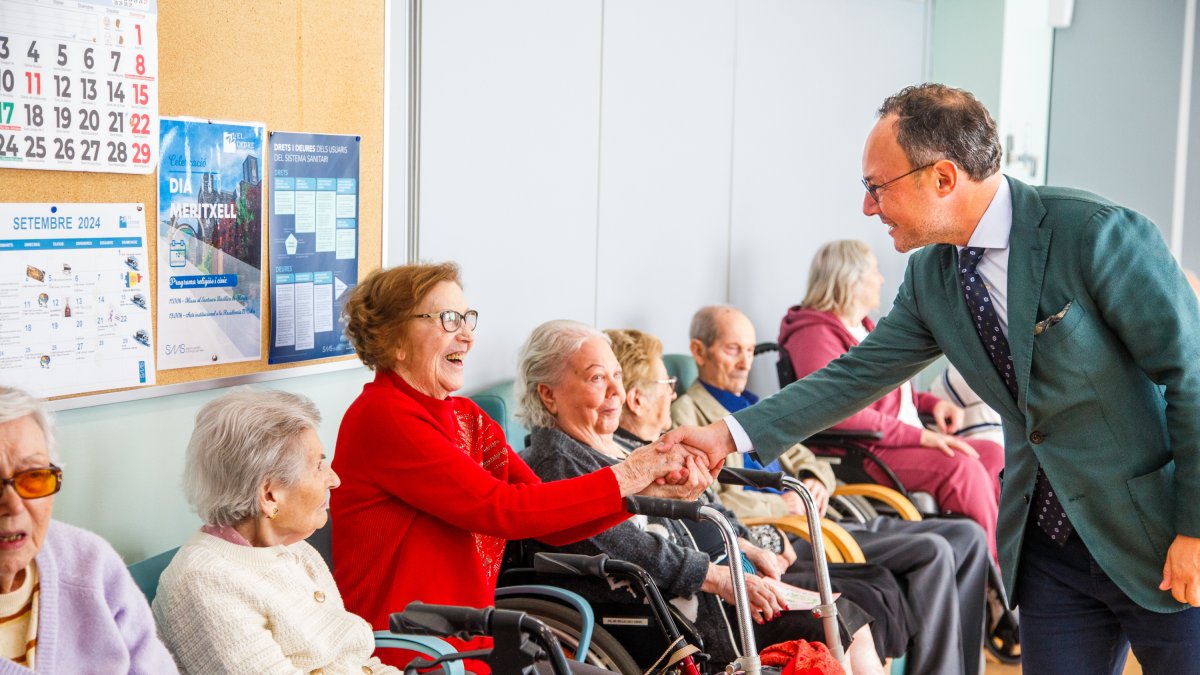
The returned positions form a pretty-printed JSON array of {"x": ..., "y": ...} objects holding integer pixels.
[{"x": 1051, "y": 517}]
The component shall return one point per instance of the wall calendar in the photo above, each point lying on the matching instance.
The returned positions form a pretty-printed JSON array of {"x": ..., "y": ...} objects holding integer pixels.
[
  {"x": 75, "y": 302},
  {"x": 79, "y": 85}
]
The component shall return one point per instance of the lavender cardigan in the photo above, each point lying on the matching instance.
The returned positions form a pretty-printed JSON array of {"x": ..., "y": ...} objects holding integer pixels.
[{"x": 92, "y": 617}]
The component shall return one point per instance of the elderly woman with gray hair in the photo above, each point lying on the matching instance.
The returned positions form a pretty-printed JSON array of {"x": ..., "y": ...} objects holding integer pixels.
[
  {"x": 247, "y": 594},
  {"x": 572, "y": 393},
  {"x": 68, "y": 601}
]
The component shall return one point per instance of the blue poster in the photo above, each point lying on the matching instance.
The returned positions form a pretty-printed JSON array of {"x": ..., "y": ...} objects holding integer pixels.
[
  {"x": 313, "y": 243},
  {"x": 210, "y": 226}
]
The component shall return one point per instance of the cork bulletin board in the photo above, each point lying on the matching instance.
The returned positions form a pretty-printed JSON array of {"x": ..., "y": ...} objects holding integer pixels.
[{"x": 293, "y": 65}]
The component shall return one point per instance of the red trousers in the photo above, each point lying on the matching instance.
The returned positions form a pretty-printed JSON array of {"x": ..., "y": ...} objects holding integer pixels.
[{"x": 960, "y": 484}]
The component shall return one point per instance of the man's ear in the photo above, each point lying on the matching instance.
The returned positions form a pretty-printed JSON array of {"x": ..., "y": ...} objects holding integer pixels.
[
  {"x": 697, "y": 349},
  {"x": 547, "y": 395},
  {"x": 945, "y": 175}
]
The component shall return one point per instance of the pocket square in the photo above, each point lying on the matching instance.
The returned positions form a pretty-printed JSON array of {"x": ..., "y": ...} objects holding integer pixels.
[{"x": 1048, "y": 322}]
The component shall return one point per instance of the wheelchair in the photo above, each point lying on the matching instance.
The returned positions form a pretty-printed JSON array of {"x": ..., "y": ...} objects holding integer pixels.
[{"x": 850, "y": 455}]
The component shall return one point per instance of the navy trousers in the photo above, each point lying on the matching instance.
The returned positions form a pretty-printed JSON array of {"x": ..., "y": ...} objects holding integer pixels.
[{"x": 1074, "y": 619}]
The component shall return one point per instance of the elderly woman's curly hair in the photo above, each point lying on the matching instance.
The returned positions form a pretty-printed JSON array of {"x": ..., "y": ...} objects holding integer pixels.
[{"x": 382, "y": 305}]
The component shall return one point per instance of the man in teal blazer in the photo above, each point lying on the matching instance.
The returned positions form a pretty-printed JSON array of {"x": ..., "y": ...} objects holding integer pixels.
[{"x": 1100, "y": 385}]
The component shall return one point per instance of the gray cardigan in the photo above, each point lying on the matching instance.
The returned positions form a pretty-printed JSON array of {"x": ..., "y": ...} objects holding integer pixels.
[
  {"x": 678, "y": 569},
  {"x": 674, "y": 565}
]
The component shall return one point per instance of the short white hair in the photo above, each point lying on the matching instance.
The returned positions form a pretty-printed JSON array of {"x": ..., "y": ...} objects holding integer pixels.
[
  {"x": 542, "y": 360},
  {"x": 16, "y": 403},
  {"x": 241, "y": 440}
]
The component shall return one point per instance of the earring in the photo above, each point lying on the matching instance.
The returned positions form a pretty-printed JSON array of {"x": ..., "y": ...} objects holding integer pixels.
[{"x": 274, "y": 513}]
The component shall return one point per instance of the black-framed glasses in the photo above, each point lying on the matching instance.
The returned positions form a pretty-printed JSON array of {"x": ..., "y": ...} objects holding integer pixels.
[
  {"x": 873, "y": 190},
  {"x": 452, "y": 320},
  {"x": 34, "y": 483}
]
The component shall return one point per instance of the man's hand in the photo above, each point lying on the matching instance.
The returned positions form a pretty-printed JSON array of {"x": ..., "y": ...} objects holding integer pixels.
[
  {"x": 820, "y": 494},
  {"x": 697, "y": 481},
  {"x": 947, "y": 445},
  {"x": 713, "y": 440},
  {"x": 788, "y": 557},
  {"x": 653, "y": 464},
  {"x": 1181, "y": 573},
  {"x": 793, "y": 502},
  {"x": 949, "y": 417}
]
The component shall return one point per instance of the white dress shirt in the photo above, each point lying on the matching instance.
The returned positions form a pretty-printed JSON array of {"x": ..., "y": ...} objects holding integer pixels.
[{"x": 991, "y": 233}]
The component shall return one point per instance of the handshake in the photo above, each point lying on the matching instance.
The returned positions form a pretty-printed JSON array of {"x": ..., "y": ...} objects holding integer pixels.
[{"x": 681, "y": 464}]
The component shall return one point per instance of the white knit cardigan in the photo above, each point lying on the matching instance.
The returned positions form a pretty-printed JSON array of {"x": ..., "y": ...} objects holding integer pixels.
[{"x": 225, "y": 608}]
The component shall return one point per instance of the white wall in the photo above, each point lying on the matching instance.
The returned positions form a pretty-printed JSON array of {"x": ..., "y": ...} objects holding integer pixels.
[
  {"x": 802, "y": 117},
  {"x": 625, "y": 162},
  {"x": 665, "y": 145},
  {"x": 123, "y": 463},
  {"x": 510, "y": 132}
]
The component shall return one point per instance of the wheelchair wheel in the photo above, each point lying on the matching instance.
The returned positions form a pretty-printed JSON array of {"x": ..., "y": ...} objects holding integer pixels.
[
  {"x": 1004, "y": 643},
  {"x": 604, "y": 650}
]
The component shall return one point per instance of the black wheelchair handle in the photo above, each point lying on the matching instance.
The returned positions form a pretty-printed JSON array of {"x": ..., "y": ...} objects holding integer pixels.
[
  {"x": 753, "y": 478},
  {"x": 463, "y": 623},
  {"x": 836, "y": 435},
  {"x": 663, "y": 508},
  {"x": 570, "y": 563}
]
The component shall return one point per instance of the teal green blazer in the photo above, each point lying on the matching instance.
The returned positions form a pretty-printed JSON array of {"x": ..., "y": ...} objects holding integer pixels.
[{"x": 1109, "y": 398}]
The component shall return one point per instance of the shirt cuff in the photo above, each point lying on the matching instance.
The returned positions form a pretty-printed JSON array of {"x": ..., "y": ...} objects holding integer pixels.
[{"x": 741, "y": 440}]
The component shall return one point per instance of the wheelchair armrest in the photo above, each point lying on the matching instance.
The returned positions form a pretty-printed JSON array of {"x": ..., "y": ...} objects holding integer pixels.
[
  {"x": 901, "y": 504},
  {"x": 840, "y": 436},
  {"x": 839, "y": 544},
  {"x": 422, "y": 644},
  {"x": 562, "y": 596}
]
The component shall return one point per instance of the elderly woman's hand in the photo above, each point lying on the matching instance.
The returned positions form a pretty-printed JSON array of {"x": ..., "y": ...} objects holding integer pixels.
[
  {"x": 698, "y": 480},
  {"x": 648, "y": 463},
  {"x": 766, "y": 562},
  {"x": 765, "y": 600}
]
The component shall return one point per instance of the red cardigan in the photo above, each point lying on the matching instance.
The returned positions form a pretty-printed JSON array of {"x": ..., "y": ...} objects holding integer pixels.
[
  {"x": 430, "y": 492},
  {"x": 814, "y": 339}
]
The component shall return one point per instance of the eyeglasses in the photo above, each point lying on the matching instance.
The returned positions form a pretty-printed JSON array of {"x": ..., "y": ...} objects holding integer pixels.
[
  {"x": 34, "y": 483},
  {"x": 873, "y": 190},
  {"x": 452, "y": 320},
  {"x": 669, "y": 381}
]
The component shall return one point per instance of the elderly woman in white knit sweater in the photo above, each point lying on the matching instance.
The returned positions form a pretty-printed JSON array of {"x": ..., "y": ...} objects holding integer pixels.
[{"x": 247, "y": 594}]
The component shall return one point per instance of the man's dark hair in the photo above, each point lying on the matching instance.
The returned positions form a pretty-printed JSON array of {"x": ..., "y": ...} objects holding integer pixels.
[{"x": 934, "y": 121}]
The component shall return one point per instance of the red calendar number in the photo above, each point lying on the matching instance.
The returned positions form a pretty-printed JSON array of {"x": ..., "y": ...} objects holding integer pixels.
[
  {"x": 139, "y": 123},
  {"x": 141, "y": 64},
  {"x": 33, "y": 83},
  {"x": 140, "y": 93},
  {"x": 141, "y": 153}
]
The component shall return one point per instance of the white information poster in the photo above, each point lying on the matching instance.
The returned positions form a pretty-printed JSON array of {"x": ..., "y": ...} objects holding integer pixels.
[
  {"x": 75, "y": 310},
  {"x": 79, "y": 85}
]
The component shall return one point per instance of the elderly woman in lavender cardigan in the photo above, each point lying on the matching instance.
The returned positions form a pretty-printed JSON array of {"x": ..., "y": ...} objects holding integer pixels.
[{"x": 70, "y": 605}]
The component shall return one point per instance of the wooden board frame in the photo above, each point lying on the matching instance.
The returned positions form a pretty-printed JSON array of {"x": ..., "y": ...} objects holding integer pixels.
[{"x": 295, "y": 65}]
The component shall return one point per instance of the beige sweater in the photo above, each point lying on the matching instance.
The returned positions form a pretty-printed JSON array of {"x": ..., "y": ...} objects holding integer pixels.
[{"x": 225, "y": 608}]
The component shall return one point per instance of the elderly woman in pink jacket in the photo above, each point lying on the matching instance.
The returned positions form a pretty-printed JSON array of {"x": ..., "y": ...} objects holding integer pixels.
[{"x": 962, "y": 474}]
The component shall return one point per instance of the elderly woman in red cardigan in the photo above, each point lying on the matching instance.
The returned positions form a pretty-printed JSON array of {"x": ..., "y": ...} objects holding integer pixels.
[
  {"x": 430, "y": 489},
  {"x": 962, "y": 474}
]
